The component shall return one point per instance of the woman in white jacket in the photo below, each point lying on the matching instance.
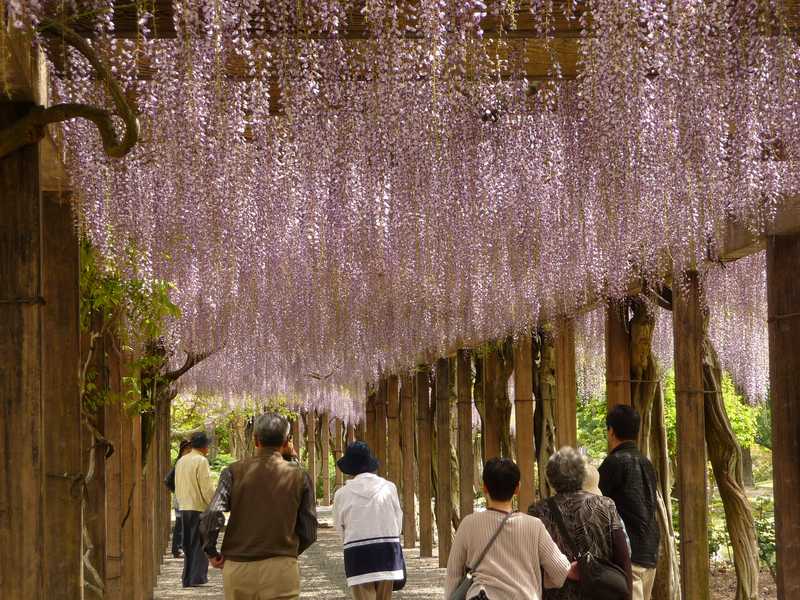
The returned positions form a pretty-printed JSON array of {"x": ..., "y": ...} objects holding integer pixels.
[{"x": 368, "y": 516}]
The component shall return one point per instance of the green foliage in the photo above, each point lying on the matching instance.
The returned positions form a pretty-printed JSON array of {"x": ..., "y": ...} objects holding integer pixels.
[
  {"x": 220, "y": 461},
  {"x": 117, "y": 300},
  {"x": 764, "y": 514},
  {"x": 764, "y": 424},
  {"x": 592, "y": 426}
]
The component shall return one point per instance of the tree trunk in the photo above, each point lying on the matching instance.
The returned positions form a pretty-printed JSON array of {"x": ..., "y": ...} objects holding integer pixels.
[
  {"x": 503, "y": 405},
  {"x": 726, "y": 461},
  {"x": 747, "y": 468},
  {"x": 544, "y": 419}
]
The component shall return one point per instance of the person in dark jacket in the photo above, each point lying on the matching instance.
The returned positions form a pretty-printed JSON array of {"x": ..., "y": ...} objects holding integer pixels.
[
  {"x": 169, "y": 481},
  {"x": 629, "y": 479},
  {"x": 273, "y": 519}
]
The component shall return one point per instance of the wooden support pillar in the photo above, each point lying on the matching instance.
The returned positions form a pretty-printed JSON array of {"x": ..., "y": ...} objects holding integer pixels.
[
  {"x": 338, "y": 443},
  {"x": 466, "y": 469},
  {"x": 783, "y": 300},
  {"x": 21, "y": 294},
  {"x": 325, "y": 451},
  {"x": 297, "y": 438},
  {"x": 61, "y": 558},
  {"x": 523, "y": 407},
  {"x": 127, "y": 518},
  {"x": 381, "y": 428},
  {"x": 138, "y": 508},
  {"x": 444, "y": 508},
  {"x": 351, "y": 433},
  {"x": 407, "y": 444},
  {"x": 491, "y": 425},
  {"x": 311, "y": 446},
  {"x": 688, "y": 343},
  {"x": 424, "y": 461},
  {"x": 393, "y": 454},
  {"x": 618, "y": 355},
  {"x": 368, "y": 434},
  {"x": 116, "y": 498},
  {"x": 566, "y": 408}
]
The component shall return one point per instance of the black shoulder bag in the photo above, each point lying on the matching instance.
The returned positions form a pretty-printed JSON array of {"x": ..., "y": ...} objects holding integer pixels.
[{"x": 600, "y": 579}]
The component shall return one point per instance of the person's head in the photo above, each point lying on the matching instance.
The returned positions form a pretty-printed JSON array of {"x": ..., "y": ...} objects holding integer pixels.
[
  {"x": 622, "y": 423},
  {"x": 199, "y": 441},
  {"x": 271, "y": 430},
  {"x": 566, "y": 471},
  {"x": 358, "y": 459},
  {"x": 500, "y": 479},
  {"x": 184, "y": 448},
  {"x": 591, "y": 483}
]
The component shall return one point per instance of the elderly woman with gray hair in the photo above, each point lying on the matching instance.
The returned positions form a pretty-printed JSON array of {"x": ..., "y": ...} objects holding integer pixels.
[{"x": 591, "y": 521}]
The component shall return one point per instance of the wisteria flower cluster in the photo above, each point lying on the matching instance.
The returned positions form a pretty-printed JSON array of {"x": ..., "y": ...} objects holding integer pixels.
[{"x": 342, "y": 189}]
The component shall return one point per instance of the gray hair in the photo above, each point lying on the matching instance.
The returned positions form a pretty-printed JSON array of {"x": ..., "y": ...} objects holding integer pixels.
[
  {"x": 566, "y": 470},
  {"x": 271, "y": 430}
]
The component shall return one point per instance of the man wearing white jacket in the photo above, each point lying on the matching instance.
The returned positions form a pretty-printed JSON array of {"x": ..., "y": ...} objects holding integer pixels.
[{"x": 368, "y": 516}]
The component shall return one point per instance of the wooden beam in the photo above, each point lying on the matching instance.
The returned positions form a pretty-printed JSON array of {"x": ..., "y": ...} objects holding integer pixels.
[
  {"x": 61, "y": 558},
  {"x": 783, "y": 301},
  {"x": 738, "y": 241},
  {"x": 618, "y": 355},
  {"x": 523, "y": 407},
  {"x": 393, "y": 453},
  {"x": 491, "y": 425},
  {"x": 380, "y": 428},
  {"x": 444, "y": 508},
  {"x": 688, "y": 343},
  {"x": 407, "y": 444},
  {"x": 566, "y": 408},
  {"x": 325, "y": 451},
  {"x": 466, "y": 459},
  {"x": 311, "y": 446},
  {"x": 424, "y": 461},
  {"x": 21, "y": 523},
  {"x": 338, "y": 443}
]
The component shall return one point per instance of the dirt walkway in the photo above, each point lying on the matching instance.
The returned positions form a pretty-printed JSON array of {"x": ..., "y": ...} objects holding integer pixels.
[{"x": 321, "y": 573}]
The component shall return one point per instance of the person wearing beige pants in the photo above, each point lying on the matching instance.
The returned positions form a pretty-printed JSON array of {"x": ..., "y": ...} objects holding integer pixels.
[
  {"x": 270, "y": 579},
  {"x": 375, "y": 590},
  {"x": 643, "y": 580}
]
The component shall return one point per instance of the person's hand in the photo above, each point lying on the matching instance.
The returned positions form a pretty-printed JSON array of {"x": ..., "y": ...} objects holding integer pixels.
[
  {"x": 574, "y": 572},
  {"x": 217, "y": 561}
]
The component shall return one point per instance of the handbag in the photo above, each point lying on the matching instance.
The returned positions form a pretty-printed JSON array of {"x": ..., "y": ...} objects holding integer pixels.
[
  {"x": 600, "y": 579},
  {"x": 460, "y": 593}
]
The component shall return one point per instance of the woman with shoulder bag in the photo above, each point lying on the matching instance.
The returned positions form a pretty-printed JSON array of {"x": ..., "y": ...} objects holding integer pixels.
[
  {"x": 499, "y": 554},
  {"x": 587, "y": 528}
]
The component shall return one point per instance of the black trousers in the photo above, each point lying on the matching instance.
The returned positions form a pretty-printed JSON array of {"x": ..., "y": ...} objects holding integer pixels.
[
  {"x": 195, "y": 562},
  {"x": 177, "y": 533}
]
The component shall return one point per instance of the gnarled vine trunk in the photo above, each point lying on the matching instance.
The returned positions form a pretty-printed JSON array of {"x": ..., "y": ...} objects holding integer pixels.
[
  {"x": 503, "y": 404},
  {"x": 726, "y": 460},
  {"x": 544, "y": 419}
]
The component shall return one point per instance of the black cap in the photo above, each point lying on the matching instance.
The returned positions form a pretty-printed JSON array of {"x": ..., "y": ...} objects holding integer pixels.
[{"x": 357, "y": 459}]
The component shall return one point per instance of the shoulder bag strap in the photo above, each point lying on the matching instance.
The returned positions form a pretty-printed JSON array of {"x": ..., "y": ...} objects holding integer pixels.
[
  {"x": 490, "y": 544},
  {"x": 562, "y": 527}
]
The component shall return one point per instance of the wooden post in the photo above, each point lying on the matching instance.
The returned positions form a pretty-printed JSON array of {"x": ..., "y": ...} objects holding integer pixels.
[
  {"x": 566, "y": 408},
  {"x": 138, "y": 508},
  {"x": 491, "y": 425},
  {"x": 116, "y": 498},
  {"x": 466, "y": 470},
  {"x": 444, "y": 508},
  {"x": 407, "y": 441},
  {"x": 297, "y": 438},
  {"x": 351, "y": 433},
  {"x": 783, "y": 300},
  {"x": 311, "y": 446},
  {"x": 380, "y": 428},
  {"x": 369, "y": 425},
  {"x": 523, "y": 407},
  {"x": 688, "y": 343},
  {"x": 393, "y": 455},
  {"x": 618, "y": 355},
  {"x": 337, "y": 451},
  {"x": 424, "y": 461},
  {"x": 61, "y": 558},
  {"x": 127, "y": 519},
  {"x": 325, "y": 446},
  {"x": 22, "y": 576}
]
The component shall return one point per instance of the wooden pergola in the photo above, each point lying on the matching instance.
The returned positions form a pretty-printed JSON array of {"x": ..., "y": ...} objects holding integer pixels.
[{"x": 54, "y": 468}]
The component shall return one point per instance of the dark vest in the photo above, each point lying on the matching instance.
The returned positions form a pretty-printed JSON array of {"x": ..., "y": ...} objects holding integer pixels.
[{"x": 265, "y": 499}]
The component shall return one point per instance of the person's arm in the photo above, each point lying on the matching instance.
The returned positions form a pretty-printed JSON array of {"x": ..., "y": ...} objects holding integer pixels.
[
  {"x": 307, "y": 524},
  {"x": 457, "y": 562},
  {"x": 169, "y": 480},
  {"x": 204, "y": 484},
  {"x": 556, "y": 566},
  {"x": 610, "y": 477},
  {"x": 398, "y": 510},
  {"x": 338, "y": 512},
  {"x": 212, "y": 520},
  {"x": 621, "y": 556}
]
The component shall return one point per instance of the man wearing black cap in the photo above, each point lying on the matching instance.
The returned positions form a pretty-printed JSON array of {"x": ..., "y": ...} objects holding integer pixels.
[
  {"x": 194, "y": 490},
  {"x": 368, "y": 516}
]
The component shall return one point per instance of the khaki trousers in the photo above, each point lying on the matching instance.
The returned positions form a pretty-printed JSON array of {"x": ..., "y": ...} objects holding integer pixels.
[
  {"x": 271, "y": 579},
  {"x": 643, "y": 580},
  {"x": 376, "y": 590}
]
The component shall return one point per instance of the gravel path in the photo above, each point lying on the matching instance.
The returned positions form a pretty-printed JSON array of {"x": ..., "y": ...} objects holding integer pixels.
[{"x": 321, "y": 573}]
